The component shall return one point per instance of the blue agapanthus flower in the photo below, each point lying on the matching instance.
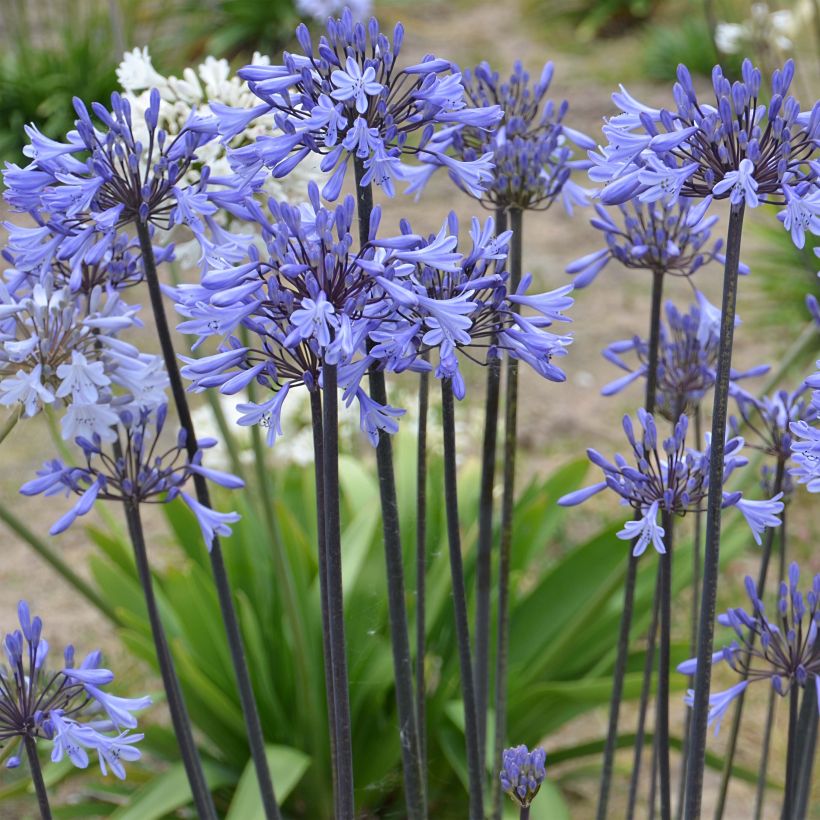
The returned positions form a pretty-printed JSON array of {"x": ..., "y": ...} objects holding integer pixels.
[
  {"x": 784, "y": 651},
  {"x": 137, "y": 469},
  {"x": 522, "y": 773},
  {"x": 661, "y": 236},
  {"x": 111, "y": 172},
  {"x": 531, "y": 147},
  {"x": 736, "y": 148},
  {"x": 672, "y": 478},
  {"x": 68, "y": 706},
  {"x": 687, "y": 359},
  {"x": 348, "y": 97},
  {"x": 457, "y": 302}
]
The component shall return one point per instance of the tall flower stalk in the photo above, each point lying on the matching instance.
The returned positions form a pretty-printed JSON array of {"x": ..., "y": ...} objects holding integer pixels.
[{"x": 750, "y": 155}]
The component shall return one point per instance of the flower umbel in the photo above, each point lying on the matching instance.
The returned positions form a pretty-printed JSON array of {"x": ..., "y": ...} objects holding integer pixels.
[{"x": 522, "y": 773}]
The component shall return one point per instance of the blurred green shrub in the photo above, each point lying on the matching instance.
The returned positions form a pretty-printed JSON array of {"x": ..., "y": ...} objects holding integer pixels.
[
  {"x": 594, "y": 18},
  {"x": 233, "y": 27},
  {"x": 688, "y": 42},
  {"x": 50, "y": 52}
]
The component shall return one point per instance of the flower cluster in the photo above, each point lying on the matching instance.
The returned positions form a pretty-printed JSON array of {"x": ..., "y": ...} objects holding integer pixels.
[
  {"x": 672, "y": 479},
  {"x": 69, "y": 706},
  {"x": 687, "y": 358},
  {"x": 784, "y": 651},
  {"x": 207, "y": 89},
  {"x": 530, "y": 148},
  {"x": 61, "y": 348},
  {"x": 522, "y": 773},
  {"x": 112, "y": 171},
  {"x": 348, "y": 98},
  {"x": 312, "y": 301},
  {"x": 658, "y": 235},
  {"x": 738, "y": 149},
  {"x": 137, "y": 469}
]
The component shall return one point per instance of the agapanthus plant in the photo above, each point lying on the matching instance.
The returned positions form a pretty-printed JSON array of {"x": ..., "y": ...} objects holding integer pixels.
[
  {"x": 131, "y": 465},
  {"x": 672, "y": 479},
  {"x": 347, "y": 97},
  {"x": 68, "y": 706},
  {"x": 781, "y": 649},
  {"x": 687, "y": 358},
  {"x": 522, "y": 773},
  {"x": 657, "y": 235},
  {"x": 531, "y": 148}
]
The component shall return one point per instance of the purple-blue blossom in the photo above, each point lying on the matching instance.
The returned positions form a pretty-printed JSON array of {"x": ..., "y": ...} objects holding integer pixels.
[
  {"x": 522, "y": 773},
  {"x": 784, "y": 651},
  {"x": 346, "y": 97},
  {"x": 532, "y": 149},
  {"x": 64, "y": 703},
  {"x": 662, "y": 236},
  {"x": 687, "y": 359},
  {"x": 135, "y": 468},
  {"x": 736, "y": 148},
  {"x": 669, "y": 477}
]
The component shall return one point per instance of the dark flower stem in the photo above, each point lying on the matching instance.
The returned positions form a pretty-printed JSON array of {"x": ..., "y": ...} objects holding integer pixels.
[
  {"x": 726, "y": 774},
  {"x": 327, "y": 655},
  {"x": 173, "y": 691},
  {"x": 253, "y": 725},
  {"x": 631, "y": 568},
  {"x": 485, "y": 534},
  {"x": 394, "y": 561},
  {"x": 764, "y": 755},
  {"x": 525, "y": 813},
  {"x": 421, "y": 568},
  {"x": 474, "y": 771},
  {"x": 346, "y": 808},
  {"x": 706, "y": 627},
  {"x": 697, "y": 546},
  {"x": 806, "y": 748},
  {"x": 664, "y": 662},
  {"x": 792, "y": 763},
  {"x": 646, "y": 686},
  {"x": 505, "y": 543},
  {"x": 37, "y": 777}
]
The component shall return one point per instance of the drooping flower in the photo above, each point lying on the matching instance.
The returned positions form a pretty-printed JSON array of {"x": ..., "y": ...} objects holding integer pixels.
[
  {"x": 671, "y": 479},
  {"x": 348, "y": 98},
  {"x": 522, "y": 773},
  {"x": 784, "y": 651},
  {"x": 663, "y": 236},
  {"x": 135, "y": 469},
  {"x": 531, "y": 148},
  {"x": 736, "y": 149},
  {"x": 687, "y": 360},
  {"x": 63, "y": 705}
]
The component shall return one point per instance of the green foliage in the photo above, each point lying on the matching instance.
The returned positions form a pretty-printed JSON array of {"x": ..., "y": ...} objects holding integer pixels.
[
  {"x": 48, "y": 54},
  {"x": 234, "y": 27},
  {"x": 565, "y": 610},
  {"x": 594, "y": 18},
  {"x": 688, "y": 41}
]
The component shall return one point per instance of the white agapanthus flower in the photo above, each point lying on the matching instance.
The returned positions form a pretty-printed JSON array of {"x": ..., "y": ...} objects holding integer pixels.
[
  {"x": 770, "y": 28},
  {"x": 211, "y": 81}
]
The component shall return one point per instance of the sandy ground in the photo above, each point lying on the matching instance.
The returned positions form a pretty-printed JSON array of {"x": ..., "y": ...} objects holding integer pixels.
[{"x": 557, "y": 421}]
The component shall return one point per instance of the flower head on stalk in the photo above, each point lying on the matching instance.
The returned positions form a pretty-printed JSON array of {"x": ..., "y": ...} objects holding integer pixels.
[
  {"x": 112, "y": 172},
  {"x": 672, "y": 478},
  {"x": 784, "y": 650},
  {"x": 522, "y": 773},
  {"x": 661, "y": 236},
  {"x": 137, "y": 469},
  {"x": 687, "y": 358},
  {"x": 457, "y": 301},
  {"x": 347, "y": 97},
  {"x": 68, "y": 705},
  {"x": 60, "y": 348},
  {"x": 531, "y": 148},
  {"x": 734, "y": 149}
]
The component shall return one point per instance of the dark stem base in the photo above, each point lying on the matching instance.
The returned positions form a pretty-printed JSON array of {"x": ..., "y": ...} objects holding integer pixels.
[{"x": 37, "y": 777}]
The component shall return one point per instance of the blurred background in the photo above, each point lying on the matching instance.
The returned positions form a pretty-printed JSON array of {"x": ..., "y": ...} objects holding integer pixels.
[{"x": 51, "y": 50}]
